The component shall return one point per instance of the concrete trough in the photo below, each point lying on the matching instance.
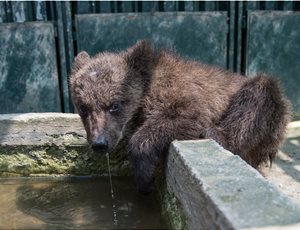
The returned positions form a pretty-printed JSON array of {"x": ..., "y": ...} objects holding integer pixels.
[
  {"x": 205, "y": 186},
  {"x": 218, "y": 190}
]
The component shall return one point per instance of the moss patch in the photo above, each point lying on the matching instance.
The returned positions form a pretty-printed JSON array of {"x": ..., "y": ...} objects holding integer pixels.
[{"x": 75, "y": 160}]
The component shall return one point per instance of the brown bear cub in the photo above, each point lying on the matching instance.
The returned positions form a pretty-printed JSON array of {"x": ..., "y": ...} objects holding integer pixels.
[{"x": 175, "y": 99}]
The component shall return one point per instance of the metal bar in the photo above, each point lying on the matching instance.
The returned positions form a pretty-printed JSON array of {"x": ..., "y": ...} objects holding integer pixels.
[
  {"x": 169, "y": 6},
  {"x": 271, "y": 5},
  {"x": 188, "y": 6},
  {"x": 62, "y": 58},
  {"x": 105, "y": 7},
  {"x": 231, "y": 37},
  {"x": 70, "y": 52},
  {"x": 296, "y": 6},
  {"x": 8, "y": 11},
  {"x": 209, "y": 6},
  {"x": 239, "y": 25},
  {"x": 92, "y": 7},
  {"x": 251, "y": 5},
  {"x": 29, "y": 11},
  {"x": 18, "y": 11},
  {"x": 149, "y": 6},
  {"x": 83, "y": 7},
  {"x": 114, "y": 7},
  {"x": 287, "y": 5},
  {"x": 40, "y": 11},
  {"x": 126, "y": 6},
  {"x": 2, "y": 12}
]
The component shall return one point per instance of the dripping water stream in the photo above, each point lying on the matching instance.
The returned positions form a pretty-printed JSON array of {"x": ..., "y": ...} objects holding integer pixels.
[{"x": 112, "y": 192}]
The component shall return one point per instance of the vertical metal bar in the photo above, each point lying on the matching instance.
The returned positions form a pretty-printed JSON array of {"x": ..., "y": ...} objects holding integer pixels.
[
  {"x": 222, "y": 6},
  {"x": 196, "y": 6},
  {"x": 83, "y": 7},
  {"x": 126, "y": 6},
  {"x": 2, "y": 12},
  {"x": 62, "y": 58},
  {"x": 253, "y": 5},
  {"x": 239, "y": 26},
  {"x": 40, "y": 11},
  {"x": 169, "y": 6},
  {"x": 68, "y": 106},
  {"x": 231, "y": 37},
  {"x": 296, "y": 5},
  {"x": 146, "y": 6},
  {"x": 51, "y": 11},
  {"x": 92, "y": 7},
  {"x": 209, "y": 6},
  {"x": 150, "y": 6},
  {"x": 287, "y": 5},
  {"x": 156, "y": 6},
  {"x": 18, "y": 11},
  {"x": 113, "y": 6},
  {"x": 271, "y": 5},
  {"x": 135, "y": 6},
  {"x": 188, "y": 6},
  {"x": 105, "y": 7},
  {"x": 29, "y": 11},
  {"x": 8, "y": 11}
]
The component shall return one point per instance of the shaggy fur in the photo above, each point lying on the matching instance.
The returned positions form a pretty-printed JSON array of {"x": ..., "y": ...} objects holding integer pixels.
[{"x": 176, "y": 99}]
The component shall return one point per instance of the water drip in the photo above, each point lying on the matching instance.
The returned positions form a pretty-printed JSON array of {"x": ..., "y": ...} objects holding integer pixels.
[{"x": 112, "y": 192}]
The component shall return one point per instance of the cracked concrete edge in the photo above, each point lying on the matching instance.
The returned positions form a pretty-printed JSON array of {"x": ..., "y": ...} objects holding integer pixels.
[
  {"x": 38, "y": 129},
  {"x": 218, "y": 190}
]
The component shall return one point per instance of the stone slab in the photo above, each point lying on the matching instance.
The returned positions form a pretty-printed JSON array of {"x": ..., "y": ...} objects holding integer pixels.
[{"x": 218, "y": 190}]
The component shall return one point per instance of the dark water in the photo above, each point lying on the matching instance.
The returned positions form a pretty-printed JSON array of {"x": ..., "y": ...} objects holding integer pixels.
[{"x": 81, "y": 203}]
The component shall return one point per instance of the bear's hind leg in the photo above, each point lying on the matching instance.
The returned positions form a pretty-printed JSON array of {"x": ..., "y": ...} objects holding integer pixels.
[{"x": 255, "y": 121}]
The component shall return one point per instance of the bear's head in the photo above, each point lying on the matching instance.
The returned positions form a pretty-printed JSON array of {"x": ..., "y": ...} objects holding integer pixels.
[{"x": 108, "y": 89}]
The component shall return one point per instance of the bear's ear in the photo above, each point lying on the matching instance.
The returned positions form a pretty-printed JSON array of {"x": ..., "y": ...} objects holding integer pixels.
[
  {"x": 140, "y": 57},
  {"x": 81, "y": 59}
]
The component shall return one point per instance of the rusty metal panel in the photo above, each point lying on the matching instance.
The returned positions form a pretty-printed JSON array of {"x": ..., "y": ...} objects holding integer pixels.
[
  {"x": 28, "y": 70},
  {"x": 200, "y": 35},
  {"x": 274, "y": 47}
]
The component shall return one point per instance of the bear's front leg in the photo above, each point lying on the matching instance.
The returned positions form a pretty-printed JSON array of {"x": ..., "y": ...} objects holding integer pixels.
[
  {"x": 152, "y": 139},
  {"x": 145, "y": 149}
]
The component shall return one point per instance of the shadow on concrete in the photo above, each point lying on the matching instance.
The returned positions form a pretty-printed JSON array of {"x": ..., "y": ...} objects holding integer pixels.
[{"x": 289, "y": 159}]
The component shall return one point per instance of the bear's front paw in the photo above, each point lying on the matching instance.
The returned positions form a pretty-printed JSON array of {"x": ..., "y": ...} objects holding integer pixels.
[{"x": 143, "y": 172}]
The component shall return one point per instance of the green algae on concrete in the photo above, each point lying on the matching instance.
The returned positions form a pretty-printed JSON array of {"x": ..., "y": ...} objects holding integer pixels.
[
  {"x": 172, "y": 210},
  {"x": 52, "y": 143},
  {"x": 80, "y": 160}
]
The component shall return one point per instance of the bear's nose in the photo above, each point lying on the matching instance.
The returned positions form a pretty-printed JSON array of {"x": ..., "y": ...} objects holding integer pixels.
[{"x": 100, "y": 145}]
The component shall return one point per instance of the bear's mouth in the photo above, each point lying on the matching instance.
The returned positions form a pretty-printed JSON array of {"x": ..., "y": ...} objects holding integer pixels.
[{"x": 100, "y": 148}]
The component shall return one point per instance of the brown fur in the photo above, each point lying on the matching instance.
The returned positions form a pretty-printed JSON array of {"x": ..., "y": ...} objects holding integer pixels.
[{"x": 178, "y": 99}]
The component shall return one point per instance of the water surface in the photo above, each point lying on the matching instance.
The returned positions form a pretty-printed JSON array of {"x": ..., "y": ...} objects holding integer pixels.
[{"x": 80, "y": 203}]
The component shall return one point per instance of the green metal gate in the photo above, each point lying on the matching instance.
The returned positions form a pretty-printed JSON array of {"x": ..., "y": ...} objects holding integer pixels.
[{"x": 38, "y": 41}]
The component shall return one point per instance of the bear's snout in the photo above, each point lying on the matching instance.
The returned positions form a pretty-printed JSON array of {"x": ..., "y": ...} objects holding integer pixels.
[{"x": 100, "y": 144}]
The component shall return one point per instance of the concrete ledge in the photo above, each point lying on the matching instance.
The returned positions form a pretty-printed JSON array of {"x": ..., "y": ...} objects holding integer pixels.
[
  {"x": 35, "y": 144},
  {"x": 218, "y": 190}
]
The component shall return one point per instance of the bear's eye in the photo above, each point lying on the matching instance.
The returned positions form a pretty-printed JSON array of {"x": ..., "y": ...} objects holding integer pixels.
[
  {"x": 115, "y": 107},
  {"x": 83, "y": 110}
]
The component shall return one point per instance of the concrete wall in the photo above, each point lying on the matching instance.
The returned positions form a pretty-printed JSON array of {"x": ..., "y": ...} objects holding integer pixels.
[{"x": 218, "y": 190}]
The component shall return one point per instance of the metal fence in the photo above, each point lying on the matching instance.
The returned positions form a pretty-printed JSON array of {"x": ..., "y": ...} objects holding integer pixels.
[{"x": 38, "y": 41}]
